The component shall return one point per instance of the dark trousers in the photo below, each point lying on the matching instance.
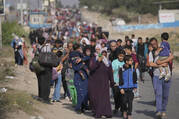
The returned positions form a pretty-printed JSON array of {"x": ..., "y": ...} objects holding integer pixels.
[
  {"x": 65, "y": 87},
  {"x": 44, "y": 79},
  {"x": 127, "y": 100},
  {"x": 117, "y": 97},
  {"x": 18, "y": 58},
  {"x": 142, "y": 66}
]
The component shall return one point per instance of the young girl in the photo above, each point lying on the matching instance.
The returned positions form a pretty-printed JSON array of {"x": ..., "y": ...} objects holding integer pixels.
[
  {"x": 150, "y": 54},
  {"x": 116, "y": 65},
  {"x": 56, "y": 94},
  {"x": 127, "y": 84}
]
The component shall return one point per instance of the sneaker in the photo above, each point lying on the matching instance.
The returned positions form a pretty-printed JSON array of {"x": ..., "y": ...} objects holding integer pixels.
[
  {"x": 167, "y": 77},
  {"x": 78, "y": 111},
  {"x": 158, "y": 114},
  {"x": 69, "y": 99},
  {"x": 47, "y": 102},
  {"x": 110, "y": 116},
  {"x": 164, "y": 115},
  {"x": 53, "y": 101},
  {"x": 137, "y": 98},
  {"x": 162, "y": 74}
]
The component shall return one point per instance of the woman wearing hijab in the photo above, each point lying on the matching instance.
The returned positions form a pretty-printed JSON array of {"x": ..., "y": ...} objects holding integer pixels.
[
  {"x": 17, "y": 44},
  {"x": 98, "y": 85},
  {"x": 45, "y": 76}
]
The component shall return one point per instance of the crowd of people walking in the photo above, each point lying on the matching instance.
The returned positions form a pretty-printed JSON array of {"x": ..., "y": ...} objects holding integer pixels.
[{"x": 91, "y": 67}]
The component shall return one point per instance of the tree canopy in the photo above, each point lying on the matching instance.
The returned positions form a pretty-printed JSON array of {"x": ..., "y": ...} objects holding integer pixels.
[{"x": 137, "y": 6}]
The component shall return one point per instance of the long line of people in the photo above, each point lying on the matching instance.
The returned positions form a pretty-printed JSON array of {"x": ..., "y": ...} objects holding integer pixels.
[{"x": 90, "y": 63}]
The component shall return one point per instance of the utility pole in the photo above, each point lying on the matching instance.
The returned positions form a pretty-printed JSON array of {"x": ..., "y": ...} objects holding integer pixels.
[
  {"x": 0, "y": 32},
  {"x": 1, "y": 17},
  {"x": 21, "y": 9}
]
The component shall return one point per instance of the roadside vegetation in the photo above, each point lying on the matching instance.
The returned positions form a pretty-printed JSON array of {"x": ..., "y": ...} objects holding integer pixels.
[
  {"x": 9, "y": 28},
  {"x": 12, "y": 100},
  {"x": 129, "y": 10}
]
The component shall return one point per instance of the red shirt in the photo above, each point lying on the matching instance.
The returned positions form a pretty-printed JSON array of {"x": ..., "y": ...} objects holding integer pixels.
[{"x": 134, "y": 58}]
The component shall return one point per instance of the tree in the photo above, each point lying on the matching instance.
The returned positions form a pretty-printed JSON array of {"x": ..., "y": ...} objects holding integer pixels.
[
  {"x": 58, "y": 4},
  {"x": 137, "y": 6}
]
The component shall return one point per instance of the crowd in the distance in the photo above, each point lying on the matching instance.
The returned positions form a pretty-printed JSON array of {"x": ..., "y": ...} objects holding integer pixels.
[{"x": 90, "y": 65}]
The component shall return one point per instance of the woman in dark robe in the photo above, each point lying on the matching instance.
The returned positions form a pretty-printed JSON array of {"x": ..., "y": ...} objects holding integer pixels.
[{"x": 98, "y": 86}]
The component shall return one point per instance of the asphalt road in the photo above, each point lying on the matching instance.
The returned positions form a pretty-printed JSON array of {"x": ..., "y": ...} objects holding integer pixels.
[{"x": 145, "y": 109}]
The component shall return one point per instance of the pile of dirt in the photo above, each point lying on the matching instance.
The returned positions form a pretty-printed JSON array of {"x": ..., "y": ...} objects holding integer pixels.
[{"x": 149, "y": 19}]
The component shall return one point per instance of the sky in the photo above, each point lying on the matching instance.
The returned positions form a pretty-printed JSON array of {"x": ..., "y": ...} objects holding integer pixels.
[
  {"x": 70, "y": 2},
  {"x": 34, "y": 3}
]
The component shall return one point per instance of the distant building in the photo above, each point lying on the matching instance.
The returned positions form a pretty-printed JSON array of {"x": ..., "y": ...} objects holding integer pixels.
[
  {"x": 70, "y": 2},
  {"x": 31, "y": 4},
  {"x": 168, "y": 16}
]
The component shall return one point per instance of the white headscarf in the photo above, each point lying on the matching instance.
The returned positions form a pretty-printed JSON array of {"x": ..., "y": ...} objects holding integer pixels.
[
  {"x": 86, "y": 41},
  {"x": 105, "y": 59}
]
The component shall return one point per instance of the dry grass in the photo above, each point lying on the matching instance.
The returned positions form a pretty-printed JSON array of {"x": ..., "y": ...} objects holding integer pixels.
[
  {"x": 14, "y": 100},
  {"x": 6, "y": 63}
]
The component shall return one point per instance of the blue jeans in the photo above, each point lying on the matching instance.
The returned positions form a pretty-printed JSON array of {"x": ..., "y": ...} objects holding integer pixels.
[
  {"x": 56, "y": 94},
  {"x": 161, "y": 89}
]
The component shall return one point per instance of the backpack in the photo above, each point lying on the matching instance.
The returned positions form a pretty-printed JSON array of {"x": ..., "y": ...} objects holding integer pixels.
[{"x": 34, "y": 65}]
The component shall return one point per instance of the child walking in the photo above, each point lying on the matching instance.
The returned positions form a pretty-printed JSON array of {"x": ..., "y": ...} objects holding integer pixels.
[
  {"x": 127, "y": 84},
  {"x": 116, "y": 65},
  {"x": 58, "y": 69}
]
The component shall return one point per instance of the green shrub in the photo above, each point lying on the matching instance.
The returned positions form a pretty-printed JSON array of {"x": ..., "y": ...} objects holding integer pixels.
[{"x": 8, "y": 28}]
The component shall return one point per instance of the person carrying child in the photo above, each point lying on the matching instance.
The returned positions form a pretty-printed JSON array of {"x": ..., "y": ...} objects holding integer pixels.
[
  {"x": 80, "y": 77},
  {"x": 78, "y": 61}
]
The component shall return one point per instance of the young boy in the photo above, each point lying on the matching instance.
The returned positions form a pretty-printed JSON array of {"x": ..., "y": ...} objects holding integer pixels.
[
  {"x": 164, "y": 52},
  {"x": 127, "y": 84},
  {"x": 116, "y": 65},
  {"x": 128, "y": 50}
]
